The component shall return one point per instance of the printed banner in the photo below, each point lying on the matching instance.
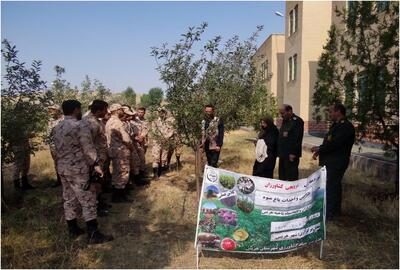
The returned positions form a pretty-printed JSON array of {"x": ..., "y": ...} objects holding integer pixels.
[{"x": 242, "y": 213}]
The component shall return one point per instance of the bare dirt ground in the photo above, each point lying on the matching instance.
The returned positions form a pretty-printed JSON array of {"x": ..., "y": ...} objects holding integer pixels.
[{"x": 157, "y": 229}]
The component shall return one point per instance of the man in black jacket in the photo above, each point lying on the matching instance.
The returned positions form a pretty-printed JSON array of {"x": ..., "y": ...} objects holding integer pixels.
[
  {"x": 334, "y": 153},
  {"x": 290, "y": 143}
]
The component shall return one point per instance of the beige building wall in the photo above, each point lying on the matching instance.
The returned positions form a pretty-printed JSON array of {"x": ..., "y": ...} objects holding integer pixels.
[{"x": 271, "y": 53}]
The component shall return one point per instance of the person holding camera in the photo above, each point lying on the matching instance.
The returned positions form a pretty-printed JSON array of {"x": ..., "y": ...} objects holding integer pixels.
[{"x": 74, "y": 157}]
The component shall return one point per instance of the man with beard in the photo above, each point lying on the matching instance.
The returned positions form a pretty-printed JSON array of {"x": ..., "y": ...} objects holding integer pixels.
[
  {"x": 212, "y": 130},
  {"x": 75, "y": 157}
]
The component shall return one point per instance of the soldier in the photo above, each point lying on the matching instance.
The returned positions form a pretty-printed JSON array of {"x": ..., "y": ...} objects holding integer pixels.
[
  {"x": 290, "y": 143},
  {"x": 106, "y": 185},
  {"x": 22, "y": 154},
  {"x": 175, "y": 144},
  {"x": 144, "y": 128},
  {"x": 119, "y": 150},
  {"x": 334, "y": 153},
  {"x": 132, "y": 131},
  {"x": 212, "y": 130},
  {"x": 97, "y": 138},
  {"x": 56, "y": 117},
  {"x": 161, "y": 138},
  {"x": 75, "y": 155}
]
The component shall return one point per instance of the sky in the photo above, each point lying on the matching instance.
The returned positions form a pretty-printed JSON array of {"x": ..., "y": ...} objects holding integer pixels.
[{"x": 111, "y": 41}]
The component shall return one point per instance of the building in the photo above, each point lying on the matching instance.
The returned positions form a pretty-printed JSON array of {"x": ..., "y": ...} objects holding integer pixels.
[
  {"x": 291, "y": 59},
  {"x": 269, "y": 62}
]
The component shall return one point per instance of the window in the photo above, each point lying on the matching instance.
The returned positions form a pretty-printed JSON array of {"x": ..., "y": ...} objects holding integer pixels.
[
  {"x": 292, "y": 64},
  {"x": 265, "y": 70},
  {"x": 382, "y": 6},
  {"x": 293, "y": 17}
]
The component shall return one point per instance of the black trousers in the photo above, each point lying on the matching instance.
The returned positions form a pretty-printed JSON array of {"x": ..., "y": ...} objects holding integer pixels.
[
  {"x": 212, "y": 158},
  {"x": 288, "y": 170},
  {"x": 265, "y": 168},
  {"x": 334, "y": 175}
]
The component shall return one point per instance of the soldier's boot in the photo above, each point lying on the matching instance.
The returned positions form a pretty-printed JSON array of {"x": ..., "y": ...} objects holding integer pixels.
[
  {"x": 178, "y": 163},
  {"x": 119, "y": 196},
  {"x": 159, "y": 171},
  {"x": 139, "y": 179},
  {"x": 156, "y": 177},
  {"x": 17, "y": 184},
  {"x": 94, "y": 236},
  {"x": 24, "y": 183},
  {"x": 58, "y": 182},
  {"x": 73, "y": 229}
]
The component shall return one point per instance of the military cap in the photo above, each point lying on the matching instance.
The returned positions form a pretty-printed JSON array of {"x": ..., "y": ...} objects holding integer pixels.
[
  {"x": 115, "y": 107},
  {"x": 54, "y": 107},
  {"x": 161, "y": 109},
  {"x": 127, "y": 110}
]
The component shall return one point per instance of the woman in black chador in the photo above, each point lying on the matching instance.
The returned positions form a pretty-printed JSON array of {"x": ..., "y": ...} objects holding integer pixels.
[{"x": 266, "y": 149}]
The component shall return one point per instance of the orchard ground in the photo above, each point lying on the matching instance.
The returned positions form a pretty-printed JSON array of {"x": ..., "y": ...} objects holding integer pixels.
[{"x": 157, "y": 229}]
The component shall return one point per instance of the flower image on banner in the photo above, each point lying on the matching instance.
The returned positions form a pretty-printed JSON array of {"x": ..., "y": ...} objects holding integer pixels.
[{"x": 243, "y": 213}]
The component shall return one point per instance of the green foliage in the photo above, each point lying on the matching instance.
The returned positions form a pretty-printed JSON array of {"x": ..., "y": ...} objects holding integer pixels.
[
  {"x": 24, "y": 102},
  {"x": 360, "y": 67},
  {"x": 153, "y": 99},
  {"x": 100, "y": 91},
  {"x": 227, "y": 181},
  {"x": 61, "y": 89},
  {"x": 129, "y": 96},
  {"x": 220, "y": 74}
]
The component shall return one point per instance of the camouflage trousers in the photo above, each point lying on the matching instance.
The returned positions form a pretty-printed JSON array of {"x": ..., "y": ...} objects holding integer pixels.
[
  {"x": 121, "y": 165},
  {"x": 22, "y": 161},
  {"x": 53, "y": 156},
  {"x": 159, "y": 155},
  {"x": 142, "y": 156},
  {"x": 135, "y": 160},
  {"x": 77, "y": 201}
]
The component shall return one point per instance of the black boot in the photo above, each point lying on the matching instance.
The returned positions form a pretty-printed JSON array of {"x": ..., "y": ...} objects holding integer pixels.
[
  {"x": 178, "y": 163},
  {"x": 94, "y": 236},
  {"x": 24, "y": 183},
  {"x": 119, "y": 196},
  {"x": 17, "y": 184},
  {"x": 159, "y": 171},
  {"x": 73, "y": 229},
  {"x": 58, "y": 182},
  {"x": 139, "y": 179},
  {"x": 155, "y": 174}
]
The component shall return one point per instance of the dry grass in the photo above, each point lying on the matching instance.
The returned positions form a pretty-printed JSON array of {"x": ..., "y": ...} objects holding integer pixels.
[{"x": 157, "y": 230}]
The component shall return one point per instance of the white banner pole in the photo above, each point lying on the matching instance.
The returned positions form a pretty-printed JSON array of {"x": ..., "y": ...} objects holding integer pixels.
[{"x": 320, "y": 249}]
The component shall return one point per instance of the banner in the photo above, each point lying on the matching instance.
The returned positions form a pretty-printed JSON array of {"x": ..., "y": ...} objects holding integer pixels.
[{"x": 242, "y": 213}]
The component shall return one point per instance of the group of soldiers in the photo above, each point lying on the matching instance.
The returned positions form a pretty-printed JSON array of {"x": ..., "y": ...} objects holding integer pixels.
[{"x": 102, "y": 151}]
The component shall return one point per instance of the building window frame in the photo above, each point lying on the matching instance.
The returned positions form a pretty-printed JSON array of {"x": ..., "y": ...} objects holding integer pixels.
[{"x": 293, "y": 20}]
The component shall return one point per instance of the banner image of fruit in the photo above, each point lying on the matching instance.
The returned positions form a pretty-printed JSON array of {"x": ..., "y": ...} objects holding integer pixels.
[{"x": 242, "y": 213}]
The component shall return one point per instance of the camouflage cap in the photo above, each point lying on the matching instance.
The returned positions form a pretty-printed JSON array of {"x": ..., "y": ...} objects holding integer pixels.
[
  {"x": 54, "y": 107},
  {"x": 127, "y": 110},
  {"x": 161, "y": 109},
  {"x": 115, "y": 106}
]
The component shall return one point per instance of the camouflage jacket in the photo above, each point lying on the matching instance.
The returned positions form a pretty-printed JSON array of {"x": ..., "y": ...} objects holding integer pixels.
[
  {"x": 97, "y": 136},
  {"x": 74, "y": 152},
  {"x": 118, "y": 138}
]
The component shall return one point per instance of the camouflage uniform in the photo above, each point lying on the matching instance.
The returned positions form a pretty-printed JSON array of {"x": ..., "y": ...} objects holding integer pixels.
[
  {"x": 162, "y": 134},
  {"x": 96, "y": 135},
  {"x": 22, "y": 161},
  {"x": 74, "y": 155},
  {"x": 135, "y": 157},
  {"x": 141, "y": 128},
  {"x": 49, "y": 140},
  {"x": 119, "y": 145},
  {"x": 175, "y": 142}
]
